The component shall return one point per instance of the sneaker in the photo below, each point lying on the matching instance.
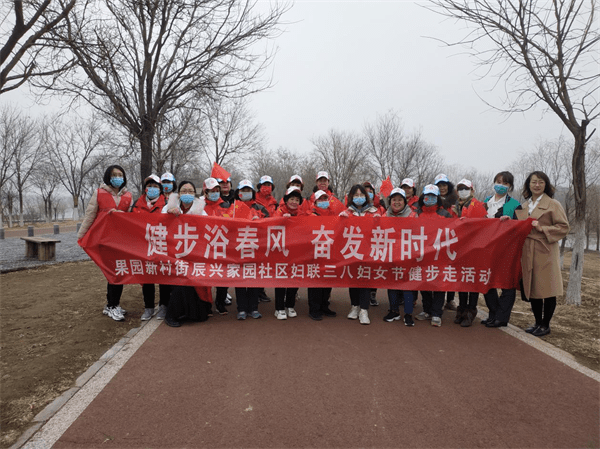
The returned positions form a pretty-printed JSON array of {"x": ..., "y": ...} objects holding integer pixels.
[
  {"x": 408, "y": 321},
  {"x": 315, "y": 316},
  {"x": 423, "y": 316},
  {"x": 172, "y": 323},
  {"x": 228, "y": 300},
  {"x": 122, "y": 310},
  {"x": 328, "y": 312},
  {"x": 291, "y": 312},
  {"x": 363, "y": 316},
  {"x": 436, "y": 321},
  {"x": 147, "y": 315},
  {"x": 391, "y": 316},
  {"x": 262, "y": 296},
  {"x": 280, "y": 314},
  {"x": 374, "y": 299},
  {"x": 353, "y": 313},
  {"x": 221, "y": 308},
  {"x": 162, "y": 312},
  {"x": 115, "y": 314},
  {"x": 241, "y": 315},
  {"x": 256, "y": 314},
  {"x": 450, "y": 305}
]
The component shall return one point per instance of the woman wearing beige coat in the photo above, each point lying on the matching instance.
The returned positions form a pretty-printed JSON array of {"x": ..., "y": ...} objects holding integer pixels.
[{"x": 542, "y": 279}]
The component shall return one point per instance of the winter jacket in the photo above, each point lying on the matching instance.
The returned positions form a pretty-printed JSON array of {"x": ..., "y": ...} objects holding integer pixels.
[
  {"x": 431, "y": 212},
  {"x": 218, "y": 208},
  {"x": 368, "y": 211},
  {"x": 413, "y": 202},
  {"x": 267, "y": 201},
  {"x": 540, "y": 260},
  {"x": 282, "y": 210},
  {"x": 508, "y": 208},
  {"x": 334, "y": 204},
  {"x": 103, "y": 200},
  {"x": 174, "y": 203},
  {"x": 472, "y": 208},
  {"x": 403, "y": 213},
  {"x": 142, "y": 204}
]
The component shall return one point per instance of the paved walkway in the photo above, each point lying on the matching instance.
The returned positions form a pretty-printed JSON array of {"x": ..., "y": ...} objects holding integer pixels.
[{"x": 334, "y": 383}]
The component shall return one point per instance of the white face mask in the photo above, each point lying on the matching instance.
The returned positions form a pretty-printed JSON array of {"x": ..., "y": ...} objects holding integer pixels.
[{"x": 464, "y": 194}]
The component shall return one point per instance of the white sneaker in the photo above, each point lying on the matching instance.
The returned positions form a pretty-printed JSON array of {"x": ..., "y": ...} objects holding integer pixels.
[
  {"x": 423, "y": 316},
  {"x": 147, "y": 315},
  {"x": 228, "y": 300},
  {"x": 280, "y": 314},
  {"x": 353, "y": 312},
  {"x": 363, "y": 316},
  {"x": 436, "y": 321},
  {"x": 115, "y": 314},
  {"x": 291, "y": 312},
  {"x": 122, "y": 310}
]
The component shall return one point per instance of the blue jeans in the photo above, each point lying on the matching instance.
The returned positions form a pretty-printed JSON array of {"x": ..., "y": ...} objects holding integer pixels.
[{"x": 394, "y": 298}]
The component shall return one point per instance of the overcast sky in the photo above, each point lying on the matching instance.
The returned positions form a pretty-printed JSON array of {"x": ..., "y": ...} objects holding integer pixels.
[{"x": 339, "y": 64}]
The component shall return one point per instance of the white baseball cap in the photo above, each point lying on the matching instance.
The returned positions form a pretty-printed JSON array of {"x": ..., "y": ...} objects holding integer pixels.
[
  {"x": 319, "y": 194},
  {"x": 323, "y": 174},
  {"x": 167, "y": 177},
  {"x": 210, "y": 183},
  {"x": 431, "y": 188},
  {"x": 464, "y": 182},
  {"x": 265, "y": 179},
  {"x": 153, "y": 178},
  {"x": 296, "y": 178},
  {"x": 441, "y": 178},
  {"x": 407, "y": 182},
  {"x": 245, "y": 183},
  {"x": 293, "y": 189},
  {"x": 397, "y": 191}
]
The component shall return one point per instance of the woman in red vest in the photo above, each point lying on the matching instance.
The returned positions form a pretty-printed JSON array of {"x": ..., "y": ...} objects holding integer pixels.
[
  {"x": 152, "y": 201},
  {"x": 112, "y": 196}
]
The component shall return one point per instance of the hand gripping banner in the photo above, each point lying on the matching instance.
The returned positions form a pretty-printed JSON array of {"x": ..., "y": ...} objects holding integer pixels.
[{"x": 471, "y": 255}]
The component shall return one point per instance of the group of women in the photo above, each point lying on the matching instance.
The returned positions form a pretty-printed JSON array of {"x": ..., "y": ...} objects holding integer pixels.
[{"x": 541, "y": 280}]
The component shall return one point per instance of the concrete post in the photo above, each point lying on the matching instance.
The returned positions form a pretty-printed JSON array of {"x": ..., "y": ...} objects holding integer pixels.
[
  {"x": 56, "y": 229},
  {"x": 29, "y": 231}
]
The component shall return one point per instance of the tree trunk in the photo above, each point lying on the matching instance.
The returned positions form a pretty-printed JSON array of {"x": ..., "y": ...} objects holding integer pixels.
[
  {"x": 576, "y": 271},
  {"x": 75, "y": 208},
  {"x": 146, "y": 149},
  {"x": 21, "y": 221}
]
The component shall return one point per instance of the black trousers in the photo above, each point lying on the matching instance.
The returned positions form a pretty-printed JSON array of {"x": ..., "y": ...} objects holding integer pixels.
[
  {"x": 246, "y": 299},
  {"x": 433, "y": 303},
  {"x": 148, "y": 291},
  {"x": 360, "y": 297},
  {"x": 501, "y": 306},
  {"x": 468, "y": 300},
  {"x": 113, "y": 294},
  {"x": 285, "y": 298}
]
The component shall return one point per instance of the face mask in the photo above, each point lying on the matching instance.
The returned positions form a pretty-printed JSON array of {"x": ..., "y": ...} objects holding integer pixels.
[
  {"x": 500, "y": 189},
  {"x": 266, "y": 190},
  {"x": 168, "y": 187},
  {"x": 464, "y": 194},
  {"x": 245, "y": 196},
  {"x": 359, "y": 201},
  {"x": 323, "y": 204},
  {"x": 214, "y": 196},
  {"x": 430, "y": 200},
  {"x": 152, "y": 192},
  {"x": 371, "y": 195},
  {"x": 117, "y": 182},
  {"x": 187, "y": 198}
]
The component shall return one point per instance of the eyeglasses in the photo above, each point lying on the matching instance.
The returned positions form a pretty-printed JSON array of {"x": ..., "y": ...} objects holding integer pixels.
[
  {"x": 187, "y": 191},
  {"x": 537, "y": 183}
]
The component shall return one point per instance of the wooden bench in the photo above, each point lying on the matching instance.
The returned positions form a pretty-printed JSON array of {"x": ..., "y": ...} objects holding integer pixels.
[{"x": 40, "y": 247}]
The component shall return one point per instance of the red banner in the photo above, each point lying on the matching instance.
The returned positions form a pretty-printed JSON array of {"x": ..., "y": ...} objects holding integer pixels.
[{"x": 399, "y": 253}]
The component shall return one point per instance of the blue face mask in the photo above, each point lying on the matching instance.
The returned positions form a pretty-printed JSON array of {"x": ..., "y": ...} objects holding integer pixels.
[
  {"x": 359, "y": 201},
  {"x": 430, "y": 200},
  {"x": 371, "y": 195},
  {"x": 500, "y": 189},
  {"x": 117, "y": 182},
  {"x": 245, "y": 196},
  {"x": 168, "y": 187},
  {"x": 187, "y": 198},
  {"x": 152, "y": 192},
  {"x": 214, "y": 196},
  {"x": 323, "y": 204}
]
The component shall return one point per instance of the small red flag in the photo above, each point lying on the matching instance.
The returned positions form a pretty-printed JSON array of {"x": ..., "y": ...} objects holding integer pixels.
[
  {"x": 219, "y": 172},
  {"x": 386, "y": 187},
  {"x": 241, "y": 210}
]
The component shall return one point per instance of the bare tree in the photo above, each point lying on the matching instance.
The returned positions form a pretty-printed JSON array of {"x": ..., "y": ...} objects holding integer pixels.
[
  {"x": 342, "y": 155},
  {"x": 8, "y": 120},
  {"x": 47, "y": 181},
  {"x": 20, "y": 136},
  {"x": 25, "y": 47},
  {"x": 545, "y": 51},
  {"x": 229, "y": 131},
  {"x": 142, "y": 60},
  {"x": 75, "y": 149}
]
